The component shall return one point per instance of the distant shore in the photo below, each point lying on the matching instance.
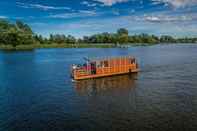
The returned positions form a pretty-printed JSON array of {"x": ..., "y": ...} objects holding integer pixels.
[
  {"x": 37, "y": 46},
  {"x": 85, "y": 45},
  {"x": 88, "y": 45}
]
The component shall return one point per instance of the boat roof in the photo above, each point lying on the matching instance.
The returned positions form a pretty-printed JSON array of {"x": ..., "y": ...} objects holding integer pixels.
[{"x": 91, "y": 59}]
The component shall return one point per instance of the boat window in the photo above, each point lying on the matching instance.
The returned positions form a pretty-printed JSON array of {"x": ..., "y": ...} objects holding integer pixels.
[
  {"x": 98, "y": 64},
  {"x": 132, "y": 61},
  {"x": 106, "y": 64},
  {"x": 101, "y": 64}
]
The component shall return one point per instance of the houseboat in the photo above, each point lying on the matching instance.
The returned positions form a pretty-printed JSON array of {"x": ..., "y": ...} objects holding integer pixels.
[{"x": 94, "y": 68}]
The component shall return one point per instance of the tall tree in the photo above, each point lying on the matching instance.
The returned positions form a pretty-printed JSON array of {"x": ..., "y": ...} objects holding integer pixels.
[
  {"x": 122, "y": 35},
  {"x": 122, "y": 31},
  {"x": 23, "y": 27}
]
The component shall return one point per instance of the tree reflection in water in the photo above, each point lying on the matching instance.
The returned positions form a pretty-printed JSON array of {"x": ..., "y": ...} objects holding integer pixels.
[{"x": 105, "y": 84}]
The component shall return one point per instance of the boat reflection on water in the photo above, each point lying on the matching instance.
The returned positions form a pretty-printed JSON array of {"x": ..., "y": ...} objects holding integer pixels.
[{"x": 106, "y": 84}]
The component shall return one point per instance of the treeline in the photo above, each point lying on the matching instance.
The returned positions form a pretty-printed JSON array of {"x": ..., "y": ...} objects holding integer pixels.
[
  {"x": 19, "y": 33},
  {"x": 120, "y": 37},
  {"x": 15, "y": 34}
]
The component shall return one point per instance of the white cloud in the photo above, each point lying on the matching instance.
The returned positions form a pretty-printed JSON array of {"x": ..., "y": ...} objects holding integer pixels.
[
  {"x": 3, "y": 17},
  {"x": 166, "y": 18},
  {"x": 152, "y": 18},
  {"x": 79, "y": 14},
  {"x": 177, "y": 3},
  {"x": 111, "y": 2},
  {"x": 88, "y": 4},
  {"x": 39, "y": 6}
]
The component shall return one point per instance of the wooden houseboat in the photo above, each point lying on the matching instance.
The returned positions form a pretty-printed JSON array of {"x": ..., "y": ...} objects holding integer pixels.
[{"x": 94, "y": 68}]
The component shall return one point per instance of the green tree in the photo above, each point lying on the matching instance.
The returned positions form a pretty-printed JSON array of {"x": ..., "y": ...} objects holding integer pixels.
[
  {"x": 122, "y": 31},
  {"x": 123, "y": 35},
  {"x": 23, "y": 27}
]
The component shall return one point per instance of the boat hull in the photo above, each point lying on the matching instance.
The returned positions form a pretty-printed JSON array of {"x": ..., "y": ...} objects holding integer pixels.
[{"x": 105, "y": 75}]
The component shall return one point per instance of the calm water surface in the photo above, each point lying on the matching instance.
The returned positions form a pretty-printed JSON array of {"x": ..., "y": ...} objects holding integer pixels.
[{"x": 37, "y": 94}]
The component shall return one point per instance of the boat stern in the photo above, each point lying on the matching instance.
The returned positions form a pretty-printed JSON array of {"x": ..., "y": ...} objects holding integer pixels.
[{"x": 73, "y": 68}]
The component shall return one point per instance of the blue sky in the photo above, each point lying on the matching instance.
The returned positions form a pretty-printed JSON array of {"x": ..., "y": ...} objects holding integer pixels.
[{"x": 86, "y": 17}]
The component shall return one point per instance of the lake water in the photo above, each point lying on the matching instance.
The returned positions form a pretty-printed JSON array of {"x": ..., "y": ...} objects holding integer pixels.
[{"x": 37, "y": 94}]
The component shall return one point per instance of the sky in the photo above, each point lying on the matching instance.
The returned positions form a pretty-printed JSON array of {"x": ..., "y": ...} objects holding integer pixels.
[{"x": 87, "y": 17}]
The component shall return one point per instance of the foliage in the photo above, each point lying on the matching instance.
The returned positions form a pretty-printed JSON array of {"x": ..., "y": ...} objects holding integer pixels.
[{"x": 15, "y": 34}]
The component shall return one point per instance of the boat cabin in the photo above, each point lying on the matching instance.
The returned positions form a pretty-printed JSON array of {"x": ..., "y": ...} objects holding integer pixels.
[{"x": 94, "y": 68}]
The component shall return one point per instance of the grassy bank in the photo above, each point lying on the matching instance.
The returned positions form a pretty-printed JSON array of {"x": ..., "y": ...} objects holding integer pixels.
[
  {"x": 19, "y": 47},
  {"x": 84, "y": 45},
  {"x": 75, "y": 46},
  {"x": 37, "y": 46}
]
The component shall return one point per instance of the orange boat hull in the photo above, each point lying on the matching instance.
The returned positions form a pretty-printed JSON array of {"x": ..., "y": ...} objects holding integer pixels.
[{"x": 104, "y": 75}]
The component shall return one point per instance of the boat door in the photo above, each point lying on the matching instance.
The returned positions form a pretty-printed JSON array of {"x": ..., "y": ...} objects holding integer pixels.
[{"x": 93, "y": 68}]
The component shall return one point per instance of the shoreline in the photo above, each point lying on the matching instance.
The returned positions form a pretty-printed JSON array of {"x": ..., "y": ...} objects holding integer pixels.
[{"x": 89, "y": 45}]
